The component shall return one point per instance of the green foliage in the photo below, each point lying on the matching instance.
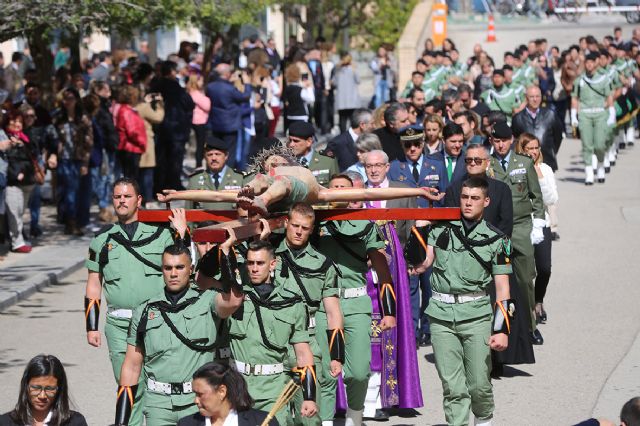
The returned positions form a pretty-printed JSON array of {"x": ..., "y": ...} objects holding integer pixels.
[
  {"x": 22, "y": 18},
  {"x": 386, "y": 22}
]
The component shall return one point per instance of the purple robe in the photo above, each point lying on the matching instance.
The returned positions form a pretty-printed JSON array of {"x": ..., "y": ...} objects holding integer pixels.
[{"x": 400, "y": 381}]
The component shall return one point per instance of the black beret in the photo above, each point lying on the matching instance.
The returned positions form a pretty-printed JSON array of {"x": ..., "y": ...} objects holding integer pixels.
[
  {"x": 213, "y": 142},
  {"x": 498, "y": 71},
  {"x": 501, "y": 130},
  {"x": 592, "y": 56},
  {"x": 301, "y": 129}
]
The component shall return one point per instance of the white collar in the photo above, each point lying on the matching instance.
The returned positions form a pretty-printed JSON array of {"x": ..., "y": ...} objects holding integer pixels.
[
  {"x": 353, "y": 134},
  {"x": 47, "y": 419},
  {"x": 231, "y": 420}
]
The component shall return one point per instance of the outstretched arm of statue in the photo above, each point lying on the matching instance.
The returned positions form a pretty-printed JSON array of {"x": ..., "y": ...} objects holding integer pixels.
[
  {"x": 375, "y": 194},
  {"x": 198, "y": 195}
]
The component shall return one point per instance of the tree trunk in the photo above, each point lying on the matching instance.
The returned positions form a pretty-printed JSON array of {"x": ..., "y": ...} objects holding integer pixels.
[{"x": 39, "y": 42}]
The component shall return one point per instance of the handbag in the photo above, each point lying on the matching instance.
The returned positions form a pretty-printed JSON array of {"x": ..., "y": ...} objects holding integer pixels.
[{"x": 38, "y": 171}]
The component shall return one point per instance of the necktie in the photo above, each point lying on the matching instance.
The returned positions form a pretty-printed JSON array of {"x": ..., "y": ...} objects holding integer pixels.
[
  {"x": 504, "y": 164},
  {"x": 449, "y": 167},
  {"x": 415, "y": 173},
  {"x": 303, "y": 161},
  {"x": 376, "y": 204},
  {"x": 216, "y": 180}
]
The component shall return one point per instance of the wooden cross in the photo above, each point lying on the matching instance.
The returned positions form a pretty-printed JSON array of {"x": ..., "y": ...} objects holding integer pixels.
[{"x": 227, "y": 218}]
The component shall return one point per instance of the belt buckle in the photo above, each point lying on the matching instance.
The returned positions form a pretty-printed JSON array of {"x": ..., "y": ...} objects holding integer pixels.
[
  {"x": 176, "y": 388},
  {"x": 257, "y": 370},
  {"x": 247, "y": 369}
]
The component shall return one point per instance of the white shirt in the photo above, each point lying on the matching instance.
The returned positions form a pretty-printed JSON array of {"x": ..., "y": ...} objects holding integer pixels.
[
  {"x": 231, "y": 420},
  {"x": 46, "y": 420},
  {"x": 353, "y": 134}
]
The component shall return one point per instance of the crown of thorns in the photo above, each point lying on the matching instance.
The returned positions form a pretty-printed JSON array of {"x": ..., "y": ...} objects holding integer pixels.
[{"x": 280, "y": 149}]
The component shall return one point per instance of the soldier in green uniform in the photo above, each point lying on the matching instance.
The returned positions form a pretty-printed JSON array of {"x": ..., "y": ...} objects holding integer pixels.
[
  {"x": 518, "y": 88},
  {"x": 617, "y": 132},
  {"x": 416, "y": 81},
  {"x": 172, "y": 335},
  {"x": 312, "y": 276},
  {"x": 501, "y": 98},
  {"x": 626, "y": 73},
  {"x": 466, "y": 255},
  {"x": 523, "y": 73},
  {"x": 518, "y": 172},
  {"x": 301, "y": 142},
  {"x": 592, "y": 99},
  {"x": 218, "y": 175},
  {"x": 271, "y": 319},
  {"x": 125, "y": 258},
  {"x": 351, "y": 244}
]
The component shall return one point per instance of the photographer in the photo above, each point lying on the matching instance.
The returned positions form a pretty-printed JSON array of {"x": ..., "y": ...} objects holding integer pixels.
[{"x": 297, "y": 95}]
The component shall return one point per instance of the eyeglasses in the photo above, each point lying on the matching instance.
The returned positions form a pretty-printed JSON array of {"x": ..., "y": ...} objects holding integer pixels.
[
  {"x": 49, "y": 391},
  {"x": 375, "y": 166},
  {"x": 476, "y": 160},
  {"x": 409, "y": 144}
]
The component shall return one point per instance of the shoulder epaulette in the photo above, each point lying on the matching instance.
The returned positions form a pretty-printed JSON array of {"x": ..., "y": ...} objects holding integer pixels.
[
  {"x": 196, "y": 172},
  {"x": 104, "y": 229},
  {"x": 240, "y": 172},
  {"x": 495, "y": 229},
  {"x": 326, "y": 153}
]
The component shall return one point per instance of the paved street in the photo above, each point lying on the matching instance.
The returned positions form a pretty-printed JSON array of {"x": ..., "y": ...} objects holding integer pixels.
[{"x": 592, "y": 305}]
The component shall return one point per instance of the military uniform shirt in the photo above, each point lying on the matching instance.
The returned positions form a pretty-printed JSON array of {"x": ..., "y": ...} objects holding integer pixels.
[
  {"x": 127, "y": 281},
  {"x": 166, "y": 358},
  {"x": 318, "y": 285},
  {"x": 352, "y": 269},
  {"x": 504, "y": 100},
  {"x": 456, "y": 270},
  {"x": 231, "y": 180},
  {"x": 592, "y": 92},
  {"x": 323, "y": 167},
  {"x": 283, "y": 327},
  {"x": 522, "y": 179}
]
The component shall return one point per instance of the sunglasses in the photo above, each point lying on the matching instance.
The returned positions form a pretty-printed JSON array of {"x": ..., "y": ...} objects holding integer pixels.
[
  {"x": 409, "y": 144},
  {"x": 472, "y": 160}
]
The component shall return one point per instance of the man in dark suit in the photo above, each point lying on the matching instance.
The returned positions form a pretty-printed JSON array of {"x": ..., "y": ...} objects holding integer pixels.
[
  {"x": 396, "y": 117},
  {"x": 452, "y": 155},
  {"x": 343, "y": 147},
  {"x": 499, "y": 212},
  {"x": 541, "y": 122}
]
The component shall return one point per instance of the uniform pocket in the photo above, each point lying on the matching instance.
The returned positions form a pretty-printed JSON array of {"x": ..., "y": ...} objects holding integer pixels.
[
  {"x": 153, "y": 256},
  {"x": 112, "y": 269},
  {"x": 157, "y": 337},
  {"x": 280, "y": 330},
  {"x": 200, "y": 325}
]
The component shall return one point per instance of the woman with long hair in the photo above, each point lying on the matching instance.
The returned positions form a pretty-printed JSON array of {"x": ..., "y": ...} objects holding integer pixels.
[
  {"x": 195, "y": 88},
  {"x": 222, "y": 398},
  {"x": 43, "y": 399},
  {"x": 345, "y": 82},
  {"x": 75, "y": 133},
  {"x": 433, "y": 126},
  {"x": 529, "y": 145}
]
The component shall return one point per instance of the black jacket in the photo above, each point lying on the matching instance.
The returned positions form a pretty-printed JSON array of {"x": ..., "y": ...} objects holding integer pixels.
[
  {"x": 178, "y": 111},
  {"x": 250, "y": 417},
  {"x": 104, "y": 119},
  {"x": 546, "y": 127},
  {"x": 343, "y": 148},
  {"x": 76, "y": 419},
  {"x": 498, "y": 213},
  {"x": 390, "y": 143}
]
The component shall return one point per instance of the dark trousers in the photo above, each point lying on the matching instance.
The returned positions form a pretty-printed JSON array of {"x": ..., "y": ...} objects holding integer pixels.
[
  {"x": 200, "y": 131},
  {"x": 145, "y": 180},
  {"x": 345, "y": 117},
  {"x": 169, "y": 159},
  {"x": 420, "y": 293},
  {"x": 542, "y": 253},
  {"x": 560, "y": 108},
  {"x": 130, "y": 163},
  {"x": 232, "y": 141}
]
